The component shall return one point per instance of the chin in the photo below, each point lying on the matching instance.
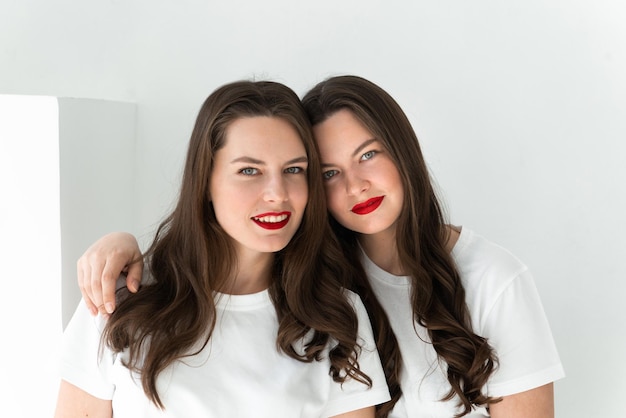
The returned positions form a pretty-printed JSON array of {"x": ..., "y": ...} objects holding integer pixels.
[
  {"x": 369, "y": 229},
  {"x": 270, "y": 246}
]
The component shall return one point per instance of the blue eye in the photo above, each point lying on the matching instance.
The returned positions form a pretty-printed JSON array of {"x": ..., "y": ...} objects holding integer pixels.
[
  {"x": 327, "y": 175},
  {"x": 294, "y": 170},
  {"x": 368, "y": 155},
  {"x": 248, "y": 171}
]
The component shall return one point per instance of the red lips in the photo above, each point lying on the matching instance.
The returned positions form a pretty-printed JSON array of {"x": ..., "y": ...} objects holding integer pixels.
[
  {"x": 368, "y": 206},
  {"x": 272, "y": 220}
]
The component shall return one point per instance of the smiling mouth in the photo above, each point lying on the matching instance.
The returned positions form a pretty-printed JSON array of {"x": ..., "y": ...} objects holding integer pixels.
[
  {"x": 368, "y": 206},
  {"x": 272, "y": 220}
]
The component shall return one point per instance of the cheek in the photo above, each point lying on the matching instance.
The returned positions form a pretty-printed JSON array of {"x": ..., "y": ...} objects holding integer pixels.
[
  {"x": 298, "y": 191},
  {"x": 334, "y": 197},
  {"x": 222, "y": 214},
  {"x": 300, "y": 199},
  {"x": 391, "y": 173},
  {"x": 228, "y": 202}
]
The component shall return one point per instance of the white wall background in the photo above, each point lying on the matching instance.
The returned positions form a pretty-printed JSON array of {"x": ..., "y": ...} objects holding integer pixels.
[
  {"x": 96, "y": 165},
  {"x": 520, "y": 108}
]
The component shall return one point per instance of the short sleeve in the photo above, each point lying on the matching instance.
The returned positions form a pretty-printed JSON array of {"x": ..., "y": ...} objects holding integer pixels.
[
  {"x": 353, "y": 395},
  {"x": 82, "y": 363},
  {"x": 517, "y": 328}
]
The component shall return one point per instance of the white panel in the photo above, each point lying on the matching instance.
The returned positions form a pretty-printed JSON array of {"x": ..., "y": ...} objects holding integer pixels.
[{"x": 30, "y": 254}]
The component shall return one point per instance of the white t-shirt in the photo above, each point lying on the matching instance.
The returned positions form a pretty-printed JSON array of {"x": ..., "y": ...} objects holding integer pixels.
[
  {"x": 505, "y": 308},
  {"x": 240, "y": 373}
]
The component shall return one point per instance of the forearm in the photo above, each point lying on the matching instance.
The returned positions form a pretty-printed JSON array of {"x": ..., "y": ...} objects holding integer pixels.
[{"x": 75, "y": 402}]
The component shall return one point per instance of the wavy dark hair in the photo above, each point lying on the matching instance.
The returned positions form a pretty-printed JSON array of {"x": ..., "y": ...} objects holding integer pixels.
[
  {"x": 192, "y": 256},
  {"x": 438, "y": 296}
]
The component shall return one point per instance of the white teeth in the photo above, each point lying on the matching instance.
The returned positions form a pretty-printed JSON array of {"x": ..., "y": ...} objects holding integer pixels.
[{"x": 271, "y": 219}]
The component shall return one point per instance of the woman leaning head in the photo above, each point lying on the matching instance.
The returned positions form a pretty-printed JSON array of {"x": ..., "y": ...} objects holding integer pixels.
[
  {"x": 381, "y": 199},
  {"x": 383, "y": 119}
]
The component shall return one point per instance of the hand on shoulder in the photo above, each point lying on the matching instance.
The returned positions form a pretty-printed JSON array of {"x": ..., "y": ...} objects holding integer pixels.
[{"x": 100, "y": 266}]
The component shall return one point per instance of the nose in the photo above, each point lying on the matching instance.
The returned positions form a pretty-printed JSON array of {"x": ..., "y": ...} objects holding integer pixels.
[
  {"x": 355, "y": 184},
  {"x": 275, "y": 189}
]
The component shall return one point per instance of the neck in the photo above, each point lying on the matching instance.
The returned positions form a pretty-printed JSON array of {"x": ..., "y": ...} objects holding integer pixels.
[
  {"x": 252, "y": 275},
  {"x": 382, "y": 249}
]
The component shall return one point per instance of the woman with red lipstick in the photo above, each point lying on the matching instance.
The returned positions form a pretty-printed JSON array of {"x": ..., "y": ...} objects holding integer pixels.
[
  {"x": 472, "y": 337},
  {"x": 231, "y": 319},
  {"x": 471, "y": 331}
]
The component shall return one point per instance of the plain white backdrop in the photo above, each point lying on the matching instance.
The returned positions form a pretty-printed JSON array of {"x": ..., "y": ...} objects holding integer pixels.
[{"x": 520, "y": 108}]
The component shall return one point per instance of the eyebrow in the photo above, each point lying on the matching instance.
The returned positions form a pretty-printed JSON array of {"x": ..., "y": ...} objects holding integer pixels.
[
  {"x": 356, "y": 151},
  {"x": 251, "y": 160},
  {"x": 362, "y": 146}
]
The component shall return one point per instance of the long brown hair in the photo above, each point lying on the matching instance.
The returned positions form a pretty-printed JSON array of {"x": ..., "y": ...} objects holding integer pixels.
[
  {"x": 192, "y": 256},
  {"x": 438, "y": 296}
]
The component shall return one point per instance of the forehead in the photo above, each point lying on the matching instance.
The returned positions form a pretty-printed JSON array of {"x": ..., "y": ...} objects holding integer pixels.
[
  {"x": 265, "y": 138},
  {"x": 342, "y": 121},
  {"x": 341, "y": 129},
  {"x": 254, "y": 131}
]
